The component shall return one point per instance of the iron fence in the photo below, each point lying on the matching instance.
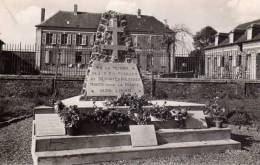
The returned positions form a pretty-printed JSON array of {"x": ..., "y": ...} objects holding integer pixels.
[
  {"x": 232, "y": 65},
  {"x": 73, "y": 61}
]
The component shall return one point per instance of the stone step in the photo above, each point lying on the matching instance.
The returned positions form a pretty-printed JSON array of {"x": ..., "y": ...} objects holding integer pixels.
[
  {"x": 90, "y": 155},
  {"x": 56, "y": 143}
]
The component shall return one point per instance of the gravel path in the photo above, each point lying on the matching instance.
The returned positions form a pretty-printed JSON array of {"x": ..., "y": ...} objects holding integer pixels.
[{"x": 15, "y": 143}]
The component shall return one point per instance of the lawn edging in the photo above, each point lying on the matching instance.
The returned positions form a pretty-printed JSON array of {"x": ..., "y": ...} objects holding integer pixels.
[{"x": 14, "y": 120}]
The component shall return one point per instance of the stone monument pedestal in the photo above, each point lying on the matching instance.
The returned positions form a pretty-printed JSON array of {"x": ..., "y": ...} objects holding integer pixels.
[{"x": 110, "y": 80}]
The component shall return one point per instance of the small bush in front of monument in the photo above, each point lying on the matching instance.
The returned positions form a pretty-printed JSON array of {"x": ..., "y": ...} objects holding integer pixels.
[
  {"x": 128, "y": 100},
  {"x": 239, "y": 118},
  {"x": 163, "y": 113},
  {"x": 215, "y": 113},
  {"x": 70, "y": 117},
  {"x": 110, "y": 119},
  {"x": 117, "y": 121}
]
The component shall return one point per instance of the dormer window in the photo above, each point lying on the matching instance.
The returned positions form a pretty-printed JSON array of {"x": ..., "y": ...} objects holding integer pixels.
[{"x": 220, "y": 37}]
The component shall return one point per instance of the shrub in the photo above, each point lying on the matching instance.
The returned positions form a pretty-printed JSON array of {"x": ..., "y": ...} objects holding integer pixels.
[
  {"x": 161, "y": 94},
  {"x": 239, "y": 118},
  {"x": 40, "y": 101},
  {"x": 16, "y": 111},
  {"x": 3, "y": 106}
]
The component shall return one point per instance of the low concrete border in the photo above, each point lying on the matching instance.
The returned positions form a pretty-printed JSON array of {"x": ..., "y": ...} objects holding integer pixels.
[{"x": 14, "y": 120}]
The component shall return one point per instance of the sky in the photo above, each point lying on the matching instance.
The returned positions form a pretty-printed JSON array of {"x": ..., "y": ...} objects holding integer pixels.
[{"x": 19, "y": 17}]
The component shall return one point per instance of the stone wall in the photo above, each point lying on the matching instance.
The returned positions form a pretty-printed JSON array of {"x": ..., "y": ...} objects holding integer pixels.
[
  {"x": 197, "y": 91},
  {"x": 179, "y": 89},
  {"x": 33, "y": 86}
]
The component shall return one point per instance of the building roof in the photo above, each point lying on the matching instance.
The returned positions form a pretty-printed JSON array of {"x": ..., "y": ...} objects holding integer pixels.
[
  {"x": 242, "y": 38},
  {"x": 244, "y": 26},
  {"x": 90, "y": 22}
]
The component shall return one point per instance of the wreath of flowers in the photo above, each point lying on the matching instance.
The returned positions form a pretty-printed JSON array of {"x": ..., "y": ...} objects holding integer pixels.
[{"x": 105, "y": 37}]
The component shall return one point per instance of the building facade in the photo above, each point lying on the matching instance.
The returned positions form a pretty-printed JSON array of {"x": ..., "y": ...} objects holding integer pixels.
[
  {"x": 235, "y": 55},
  {"x": 66, "y": 40}
]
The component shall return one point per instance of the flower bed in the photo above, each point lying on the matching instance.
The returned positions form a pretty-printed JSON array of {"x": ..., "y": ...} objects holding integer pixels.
[{"x": 114, "y": 118}]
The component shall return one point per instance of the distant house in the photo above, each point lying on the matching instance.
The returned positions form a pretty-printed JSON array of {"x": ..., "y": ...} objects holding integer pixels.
[
  {"x": 67, "y": 38},
  {"x": 235, "y": 55}
]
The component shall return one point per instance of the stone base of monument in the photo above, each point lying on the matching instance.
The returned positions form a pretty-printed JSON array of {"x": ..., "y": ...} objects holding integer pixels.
[
  {"x": 87, "y": 105},
  {"x": 50, "y": 145},
  {"x": 90, "y": 149}
]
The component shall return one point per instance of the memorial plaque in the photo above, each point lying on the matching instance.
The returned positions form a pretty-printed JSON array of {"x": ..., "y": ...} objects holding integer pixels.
[
  {"x": 143, "y": 135},
  {"x": 113, "y": 79}
]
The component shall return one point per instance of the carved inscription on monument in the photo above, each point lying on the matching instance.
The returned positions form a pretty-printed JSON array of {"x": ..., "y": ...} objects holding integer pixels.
[{"x": 113, "y": 79}]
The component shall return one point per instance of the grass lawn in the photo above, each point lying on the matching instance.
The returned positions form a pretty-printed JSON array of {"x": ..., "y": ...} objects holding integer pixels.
[{"x": 11, "y": 107}]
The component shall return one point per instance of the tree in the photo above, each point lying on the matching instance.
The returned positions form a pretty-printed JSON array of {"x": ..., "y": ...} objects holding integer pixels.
[
  {"x": 171, "y": 41},
  {"x": 204, "y": 38}
]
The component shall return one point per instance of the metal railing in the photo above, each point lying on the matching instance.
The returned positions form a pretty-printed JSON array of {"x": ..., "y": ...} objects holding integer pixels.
[
  {"x": 73, "y": 61},
  {"x": 232, "y": 65}
]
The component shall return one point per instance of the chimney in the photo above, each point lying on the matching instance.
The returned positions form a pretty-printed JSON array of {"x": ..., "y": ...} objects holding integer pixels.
[
  {"x": 42, "y": 14},
  {"x": 75, "y": 9},
  {"x": 139, "y": 13}
]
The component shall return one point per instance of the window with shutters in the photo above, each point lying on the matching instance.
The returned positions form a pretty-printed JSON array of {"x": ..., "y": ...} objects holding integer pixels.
[
  {"x": 230, "y": 60},
  {"x": 150, "y": 41},
  {"x": 59, "y": 39},
  {"x": 74, "y": 37},
  {"x": 43, "y": 38},
  {"x": 69, "y": 39},
  {"x": 215, "y": 63},
  {"x": 84, "y": 40},
  {"x": 48, "y": 57},
  {"x": 92, "y": 39},
  {"x": 234, "y": 63},
  {"x": 149, "y": 62},
  {"x": 219, "y": 61},
  {"x": 78, "y": 39},
  {"x": 62, "y": 57},
  {"x": 222, "y": 61},
  {"x": 48, "y": 38},
  {"x": 239, "y": 60},
  {"x": 54, "y": 37},
  {"x": 248, "y": 62},
  {"x": 78, "y": 58},
  {"x": 63, "y": 39}
]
